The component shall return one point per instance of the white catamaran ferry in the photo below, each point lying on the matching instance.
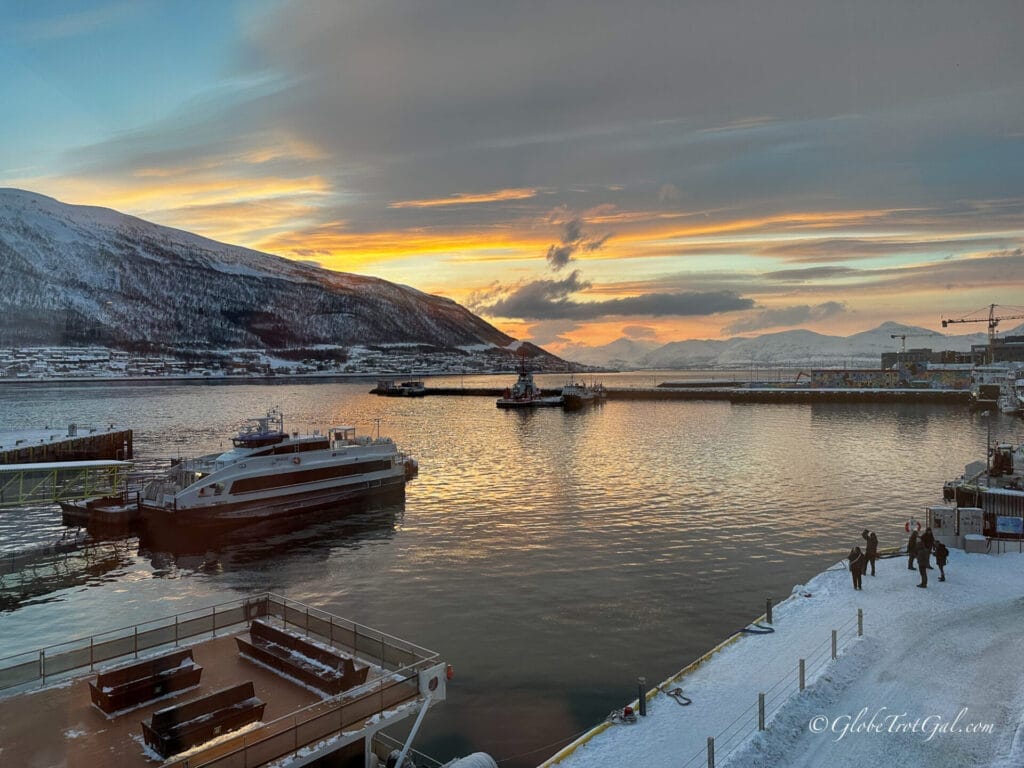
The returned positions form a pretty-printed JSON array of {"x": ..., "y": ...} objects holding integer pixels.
[{"x": 270, "y": 474}]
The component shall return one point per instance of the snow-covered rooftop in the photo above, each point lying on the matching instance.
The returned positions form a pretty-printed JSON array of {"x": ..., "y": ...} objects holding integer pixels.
[{"x": 936, "y": 680}]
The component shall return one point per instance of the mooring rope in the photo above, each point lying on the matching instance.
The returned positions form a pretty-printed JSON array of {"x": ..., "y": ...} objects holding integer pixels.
[{"x": 677, "y": 694}]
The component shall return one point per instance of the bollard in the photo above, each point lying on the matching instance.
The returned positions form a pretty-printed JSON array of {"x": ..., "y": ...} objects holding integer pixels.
[
  {"x": 833, "y": 645},
  {"x": 760, "y": 711},
  {"x": 860, "y": 622},
  {"x": 802, "y": 678},
  {"x": 641, "y": 683},
  {"x": 768, "y": 610},
  {"x": 711, "y": 752}
]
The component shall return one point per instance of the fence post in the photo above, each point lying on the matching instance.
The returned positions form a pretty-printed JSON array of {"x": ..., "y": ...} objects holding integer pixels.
[
  {"x": 860, "y": 622},
  {"x": 760, "y": 711},
  {"x": 136, "y": 640},
  {"x": 802, "y": 678},
  {"x": 834, "y": 643},
  {"x": 768, "y": 610},
  {"x": 175, "y": 630},
  {"x": 711, "y": 752},
  {"x": 91, "y": 656},
  {"x": 307, "y": 622},
  {"x": 42, "y": 665}
]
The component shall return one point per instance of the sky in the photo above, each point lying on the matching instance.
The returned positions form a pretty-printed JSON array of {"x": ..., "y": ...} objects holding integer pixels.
[{"x": 573, "y": 172}]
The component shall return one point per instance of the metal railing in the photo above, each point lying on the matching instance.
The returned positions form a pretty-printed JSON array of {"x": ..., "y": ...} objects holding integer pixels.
[
  {"x": 758, "y": 716},
  {"x": 84, "y": 654},
  {"x": 25, "y": 484}
]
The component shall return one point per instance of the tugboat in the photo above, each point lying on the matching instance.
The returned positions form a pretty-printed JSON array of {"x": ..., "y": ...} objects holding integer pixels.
[
  {"x": 269, "y": 474},
  {"x": 525, "y": 393}
]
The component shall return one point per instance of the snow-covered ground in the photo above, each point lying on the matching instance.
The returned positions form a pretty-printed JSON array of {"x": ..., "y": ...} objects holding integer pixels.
[{"x": 936, "y": 680}]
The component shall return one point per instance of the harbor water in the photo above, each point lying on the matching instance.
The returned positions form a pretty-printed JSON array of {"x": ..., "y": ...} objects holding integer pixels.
[{"x": 552, "y": 557}]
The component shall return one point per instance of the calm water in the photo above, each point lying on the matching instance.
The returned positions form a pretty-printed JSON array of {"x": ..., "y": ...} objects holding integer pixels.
[{"x": 551, "y": 557}]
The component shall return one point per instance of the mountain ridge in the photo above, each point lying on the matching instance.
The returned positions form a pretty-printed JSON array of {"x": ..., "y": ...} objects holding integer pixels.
[{"x": 85, "y": 274}]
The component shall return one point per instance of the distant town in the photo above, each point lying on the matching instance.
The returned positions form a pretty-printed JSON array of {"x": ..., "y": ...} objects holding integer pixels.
[{"x": 101, "y": 363}]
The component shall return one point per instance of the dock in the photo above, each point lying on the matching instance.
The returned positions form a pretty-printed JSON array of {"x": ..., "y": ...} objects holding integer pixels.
[
  {"x": 35, "y": 446},
  {"x": 49, "y": 715}
]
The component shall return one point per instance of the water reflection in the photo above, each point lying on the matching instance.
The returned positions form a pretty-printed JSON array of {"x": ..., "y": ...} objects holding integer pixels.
[
  {"x": 311, "y": 537},
  {"x": 75, "y": 561}
]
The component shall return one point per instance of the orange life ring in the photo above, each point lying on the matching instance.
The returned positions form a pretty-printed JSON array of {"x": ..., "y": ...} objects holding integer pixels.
[
  {"x": 296, "y": 460},
  {"x": 906, "y": 525}
]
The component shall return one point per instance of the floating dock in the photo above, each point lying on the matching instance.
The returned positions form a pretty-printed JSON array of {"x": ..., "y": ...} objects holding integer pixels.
[
  {"x": 49, "y": 713},
  {"x": 33, "y": 446}
]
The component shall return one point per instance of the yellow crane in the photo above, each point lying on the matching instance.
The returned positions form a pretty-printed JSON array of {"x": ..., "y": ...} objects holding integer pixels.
[{"x": 1014, "y": 313}]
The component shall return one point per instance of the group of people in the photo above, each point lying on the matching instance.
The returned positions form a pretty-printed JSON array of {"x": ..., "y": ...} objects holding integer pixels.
[
  {"x": 859, "y": 561},
  {"x": 919, "y": 549}
]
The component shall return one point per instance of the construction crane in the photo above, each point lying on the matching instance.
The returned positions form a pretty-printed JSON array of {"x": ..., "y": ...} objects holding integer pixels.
[
  {"x": 1014, "y": 313},
  {"x": 904, "y": 336}
]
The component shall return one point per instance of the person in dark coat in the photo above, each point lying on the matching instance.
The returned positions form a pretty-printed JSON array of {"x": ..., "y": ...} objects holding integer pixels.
[
  {"x": 911, "y": 550},
  {"x": 922, "y": 564},
  {"x": 871, "y": 550},
  {"x": 928, "y": 542},
  {"x": 857, "y": 564},
  {"x": 941, "y": 553}
]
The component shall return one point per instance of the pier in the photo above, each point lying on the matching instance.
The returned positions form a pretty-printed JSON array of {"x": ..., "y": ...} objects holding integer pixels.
[
  {"x": 35, "y": 446},
  {"x": 735, "y": 394}
]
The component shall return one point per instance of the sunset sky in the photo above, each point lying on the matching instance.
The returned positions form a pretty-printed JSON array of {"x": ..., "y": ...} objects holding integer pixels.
[{"x": 574, "y": 172}]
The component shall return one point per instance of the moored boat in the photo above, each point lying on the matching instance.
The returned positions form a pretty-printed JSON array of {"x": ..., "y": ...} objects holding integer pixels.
[
  {"x": 389, "y": 388},
  {"x": 525, "y": 393},
  {"x": 269, "y": 473},
  {"x": 577, "y": 395},
  {"x": 996, "y": 487}
]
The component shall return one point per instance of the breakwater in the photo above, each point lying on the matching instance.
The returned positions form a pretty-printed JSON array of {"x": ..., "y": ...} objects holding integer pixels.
[{"x": 747, "y": 394}]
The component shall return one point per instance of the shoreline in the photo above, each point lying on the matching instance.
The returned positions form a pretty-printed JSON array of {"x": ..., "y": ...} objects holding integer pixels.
[{"x": 954, "y": 635}]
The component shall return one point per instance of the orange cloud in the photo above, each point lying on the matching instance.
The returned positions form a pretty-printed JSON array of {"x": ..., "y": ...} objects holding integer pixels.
[{"x": 461, "y": 198}]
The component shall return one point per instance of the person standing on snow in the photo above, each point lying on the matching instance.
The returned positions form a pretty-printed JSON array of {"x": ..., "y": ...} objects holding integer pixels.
[
  {"x": 941, "y": 553},
  {"x": 922, "y": 564},
  {"x": 871, "y": 550},
  {"x": 927, "y": 541},
  {"x": 857, "y": 565},
  {"x": 911, "y": 550}
]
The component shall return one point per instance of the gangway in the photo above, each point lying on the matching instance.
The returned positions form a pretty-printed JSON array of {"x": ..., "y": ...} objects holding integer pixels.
[{"x": 55, "y": 481}]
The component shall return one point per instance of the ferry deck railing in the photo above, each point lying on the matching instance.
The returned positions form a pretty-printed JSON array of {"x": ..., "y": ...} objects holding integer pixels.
[{"x": 401, "y": 661}]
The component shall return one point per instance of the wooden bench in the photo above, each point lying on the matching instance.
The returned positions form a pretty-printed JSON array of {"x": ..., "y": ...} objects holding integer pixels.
[
  {"x": 324, "y": 669},
  {"x": 127, "y": 686},
  {"x": 175, "y": 729}
]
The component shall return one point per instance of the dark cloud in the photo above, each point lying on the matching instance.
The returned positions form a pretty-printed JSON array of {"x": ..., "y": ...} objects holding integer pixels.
[
  {"x": 785, "y": 317},
  {"x": 560, "y": 255},
  {"x": 549, "y": 299},
  {"x": 573, "y": 239}
]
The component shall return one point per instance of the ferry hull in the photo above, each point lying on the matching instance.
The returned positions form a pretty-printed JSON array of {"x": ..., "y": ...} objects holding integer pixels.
[{"x": 233, "y": 514}]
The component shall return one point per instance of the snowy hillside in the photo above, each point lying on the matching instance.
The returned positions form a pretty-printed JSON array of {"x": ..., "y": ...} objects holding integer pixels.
[
  {"x": 788, "y": 348},
  {"x": 80, "y": 274}
]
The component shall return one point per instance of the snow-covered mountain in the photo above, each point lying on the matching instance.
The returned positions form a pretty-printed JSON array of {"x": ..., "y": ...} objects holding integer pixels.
[
  {"x": 74, "y": 274},
  {"x": 787, "y": 348}
]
